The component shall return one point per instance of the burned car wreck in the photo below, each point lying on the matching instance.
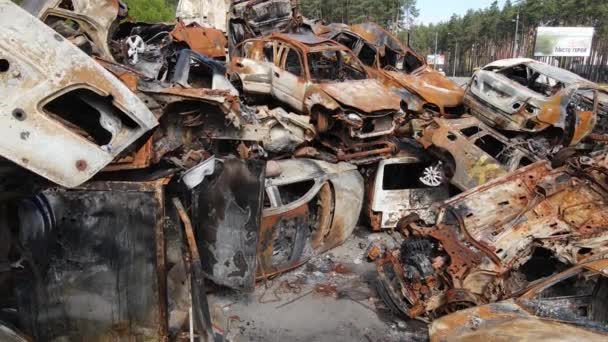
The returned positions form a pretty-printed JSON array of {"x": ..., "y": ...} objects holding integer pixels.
[
  {"x": 530, "y": 97},
  {"x": 398, "y": 66},
  {"x": 352, "y": 112},
  {"x": 471, "y": 152},
  {"x": 87, "y": 24},
  {"x": 98, "y": 29},
  {"x": 309, "y": 207},
  {"x": 480, "y": 248},
  {"x": 409, "y": 183},
  {"x": 255, "y": 18},
  {"x": 568, "y": 306}
]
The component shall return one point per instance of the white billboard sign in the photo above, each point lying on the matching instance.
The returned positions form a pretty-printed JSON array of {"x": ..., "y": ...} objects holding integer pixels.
[
  {"x": 563, "y": 41},
  {"x": 435, "y": 59}
]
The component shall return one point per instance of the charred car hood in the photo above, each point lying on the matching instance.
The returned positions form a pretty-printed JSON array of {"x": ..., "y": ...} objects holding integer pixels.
[
  {"x": 432, "y": 86},
  {"x": 367, "y": 95}
]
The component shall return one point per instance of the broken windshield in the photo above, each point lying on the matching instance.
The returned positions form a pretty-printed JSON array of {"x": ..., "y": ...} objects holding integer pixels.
[{"x": 334, "y": 66}]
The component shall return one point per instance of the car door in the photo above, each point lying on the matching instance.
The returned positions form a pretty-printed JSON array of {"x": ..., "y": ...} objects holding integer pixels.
[
  {"x": 576, "y": 296},
  {"x": 288, "y": 78},
  {"x": 253, "y": 65},
  {"x": 286, "y": 231}
]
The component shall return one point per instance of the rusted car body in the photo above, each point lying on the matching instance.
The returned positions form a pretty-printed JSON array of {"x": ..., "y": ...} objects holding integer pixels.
[
  {"x": 150, "y": 47},
  {"x": 569, "y": 306},
  {"x": 254, "y": 18},
  {"x": 531, "y": 97},
  {"x": 400, "y": 67},
  {"x": 352, "y": 112},
  {"x": 311, "y": 207},
  {"x": 472, "y": 153},
  {"x": 397, "y": 189},
  {"x": 87, "y": 24},
  {"x": 199, "y": 109},
  {"x": 63, "y": 106},
  {"x": 478, "y": 250}
]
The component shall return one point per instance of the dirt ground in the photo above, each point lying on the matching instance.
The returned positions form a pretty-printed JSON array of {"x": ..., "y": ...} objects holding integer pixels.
[{"x": 332, "y": 298}]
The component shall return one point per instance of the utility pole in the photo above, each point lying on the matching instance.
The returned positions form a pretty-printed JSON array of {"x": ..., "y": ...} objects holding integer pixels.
[
  {"x": 455, "y": 59},
  {"x": 435, "y": 56},
  {"x": 455, "y": 53},
  {"x": 475, "y": 54},
  {"x": 516, "y": 45}
]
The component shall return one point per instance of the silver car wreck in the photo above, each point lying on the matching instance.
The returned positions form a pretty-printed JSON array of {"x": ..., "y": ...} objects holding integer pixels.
[
  {"x": 60, "y": 105},
  {"x": 530, "y": 97}
]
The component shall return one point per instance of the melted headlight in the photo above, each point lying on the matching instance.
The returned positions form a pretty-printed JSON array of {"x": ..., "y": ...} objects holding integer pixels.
[{"x": 354, "y": 119}]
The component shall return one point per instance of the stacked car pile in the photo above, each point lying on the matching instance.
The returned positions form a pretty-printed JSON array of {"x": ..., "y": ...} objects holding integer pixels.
[{"x": 139, "y": 159}]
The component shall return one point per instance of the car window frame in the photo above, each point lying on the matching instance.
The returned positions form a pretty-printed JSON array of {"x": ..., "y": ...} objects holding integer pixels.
[{"x": 284, "y": 50}]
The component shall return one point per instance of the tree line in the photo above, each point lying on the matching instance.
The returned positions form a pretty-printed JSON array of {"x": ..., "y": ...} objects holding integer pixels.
[
  {"x": 483, "y": 35},
  {"x": 393, "y": 14}
]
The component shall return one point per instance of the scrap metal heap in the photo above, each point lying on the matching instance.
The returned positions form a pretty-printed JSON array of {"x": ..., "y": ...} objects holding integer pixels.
[
  {"x": 140, "y": 160},
  {"x": 483, "y": 245}
]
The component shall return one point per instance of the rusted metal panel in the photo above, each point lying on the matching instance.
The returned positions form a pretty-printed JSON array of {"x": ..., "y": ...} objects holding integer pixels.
[
  {"x": 506, "y": 321},
  {"x": 139, "y": 159},
  {"x": 40, "y": 97},
  {"x": 437, "y": 90},
  {"x": 367, "y": 95},
  {"x": 206, "y": 41},
  {"x": 518, "y": 319}
]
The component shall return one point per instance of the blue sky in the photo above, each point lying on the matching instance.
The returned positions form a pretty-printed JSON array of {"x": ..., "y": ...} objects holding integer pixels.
[{"x": 434, "y": 11}]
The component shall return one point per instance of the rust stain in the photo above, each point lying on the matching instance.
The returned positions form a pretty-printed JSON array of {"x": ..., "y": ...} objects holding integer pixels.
[{"x": 206, "y": 41}]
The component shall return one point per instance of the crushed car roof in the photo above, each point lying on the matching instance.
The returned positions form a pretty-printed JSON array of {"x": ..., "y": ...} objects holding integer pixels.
[
  {"x": 546, "y": 69},
  {"x": 307, "y": 42}
]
